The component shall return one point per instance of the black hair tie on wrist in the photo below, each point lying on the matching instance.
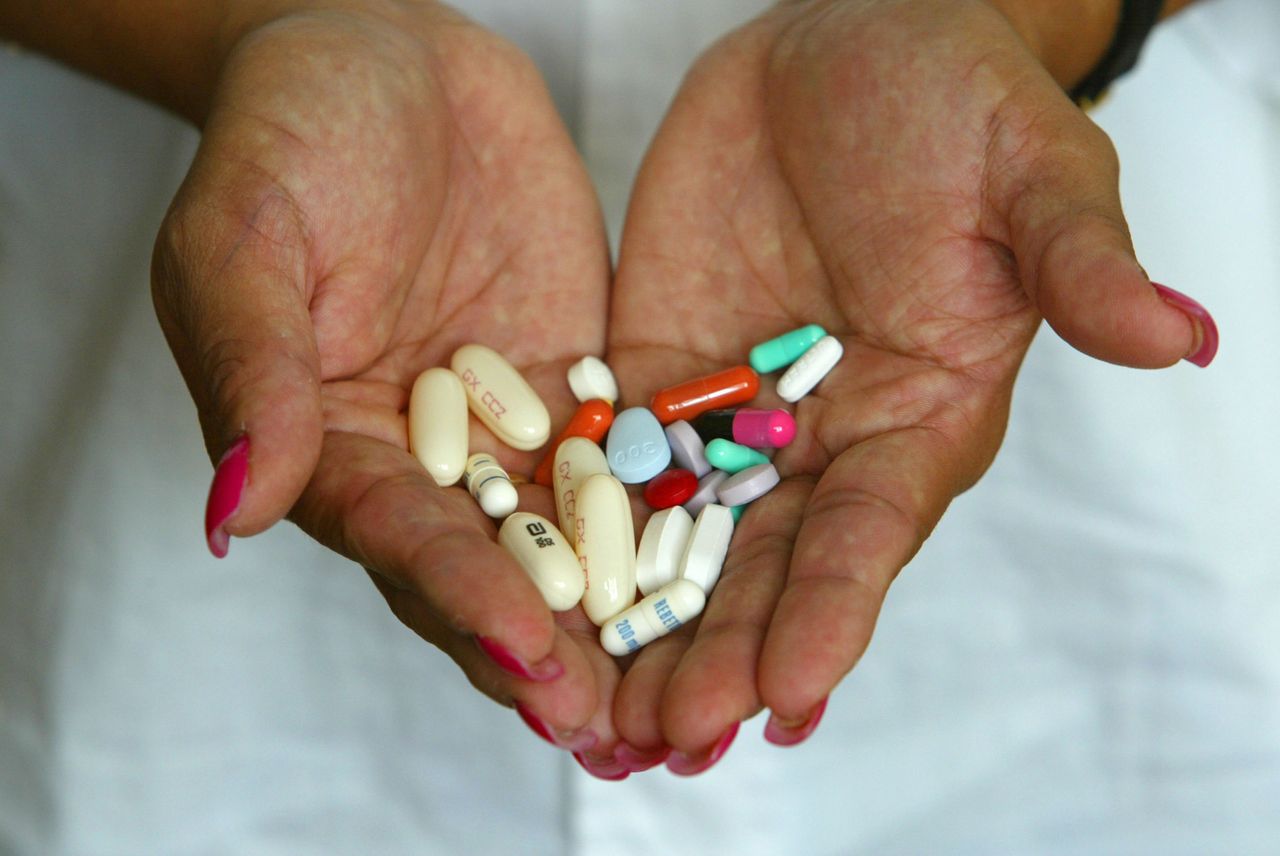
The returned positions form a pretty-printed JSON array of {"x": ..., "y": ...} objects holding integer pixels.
[{"x": 1137, "y": 19}]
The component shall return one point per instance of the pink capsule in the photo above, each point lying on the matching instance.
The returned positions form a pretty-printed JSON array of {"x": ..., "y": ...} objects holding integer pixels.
[{"x": 758, "y": 429}]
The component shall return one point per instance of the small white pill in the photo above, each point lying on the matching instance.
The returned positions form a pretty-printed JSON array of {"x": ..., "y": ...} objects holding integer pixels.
[
  {"x": 438, "y": 425},
  {"x": 576, "y": 459},
  {"x": 606, "y": 547},
  {"x": 590, "y": 378},
  {"x": 490, "y": 485},
  {"x": 708, "y": 544},
  {"x": 812, "y": 367},
  {"x": 501, "y": 398},
  {"x": 675, "y": 604},
  {"x": 661, "y": 548},
  {"x": 541, "y": 549}
]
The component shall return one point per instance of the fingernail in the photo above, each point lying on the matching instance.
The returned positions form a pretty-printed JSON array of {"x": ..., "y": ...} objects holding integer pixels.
[
  {"x": 691, "y": 765},
  {"x": 637, "y": 761},
  {"x": 547, "y": 670},
  {"x": 609, "y": 771},
  {"x": 224, "y": 495},
  {"x": 780, "y": 732},
  {"x": 577, "y": 741},
  {"x": 1207, "y": 330}
]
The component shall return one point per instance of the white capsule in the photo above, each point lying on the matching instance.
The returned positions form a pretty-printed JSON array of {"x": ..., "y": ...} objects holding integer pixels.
[
  {"x": 501, "y": 398},
  {"x": 438, "y": 425},
  {"x": 541, "y": 549},
  {"x": 812, "y": 367},
  {"x": 606, "y": 547},
  {"x": 590, "y": 378},
  {"x": 490, "y": 485},
  {"x": 661, "y": 548},
  {"x": 576, "y": 459},
  {"x": 708, "y": 544},
  {"x": 671, "y": 606}
]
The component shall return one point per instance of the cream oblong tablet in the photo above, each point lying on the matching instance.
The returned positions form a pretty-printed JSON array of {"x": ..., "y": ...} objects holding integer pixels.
[
  {"x": 675, "y": 604},
  {"x": 708, "y": 544},
  {"x": 606, "y": 547},
  {"x": 813, "y": 366},
  {"x": 661, "y": 548},
  {"x": 576, "y": 459},
  {"x": 438, "y": 425},
  {"x": 501, "y": 398},
  {"x": 546, "y": 556}
]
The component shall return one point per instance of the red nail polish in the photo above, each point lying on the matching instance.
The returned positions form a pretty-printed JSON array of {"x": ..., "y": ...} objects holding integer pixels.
[
  {"x": 783, "y": 734},
  {"x": 686, "y": 765},
  {"x": 579, "y": 741},
  {"x": 614, "y": 772},
  {"x": 1199, "y": 316},
  {"x": 224, "y": 495},
  {"x": 547, "y": 670},
  {"x": 637, "y": 761}
]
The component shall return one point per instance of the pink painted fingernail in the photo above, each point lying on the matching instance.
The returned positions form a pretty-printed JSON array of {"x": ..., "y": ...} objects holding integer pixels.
[
  {"x": 607, "y": 770},
  {"x": 577, "y": 741},
  {"x": 637, "y": 761},
  {"x": 782, "y": 733},
  {"x": 547, "y": 670},
  {"x": 224, "y": 495},
  {"x": 1207, "y": 347},
  {"x": 691, "y": 765}
]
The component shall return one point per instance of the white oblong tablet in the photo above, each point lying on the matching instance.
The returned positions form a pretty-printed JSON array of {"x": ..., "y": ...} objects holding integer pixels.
[
  {"x": 438, "y": 425},
  {"x": 606, "y": 547},
  {"x": 675, "y": 604},
  {"x": 490, "y": 485},
  {"x": 541, "y": 549},
  {"x": 501, "y": 397},
  {"x": 590, "y": 378},
  {"x": 708, "y": 544},
  {"x": 576, "y": 459},
  {"x": 813, "y": 366},
  {"x": 661, "y": 548}
]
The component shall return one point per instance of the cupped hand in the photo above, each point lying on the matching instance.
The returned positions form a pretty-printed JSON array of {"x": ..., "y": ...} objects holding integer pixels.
[
  {"x": 377, "y": 184},
  {"x": 906, "y": 174}
]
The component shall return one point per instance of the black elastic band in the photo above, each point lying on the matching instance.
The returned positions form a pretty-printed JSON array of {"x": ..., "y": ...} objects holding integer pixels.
[{"x": 1137, "y": 19}]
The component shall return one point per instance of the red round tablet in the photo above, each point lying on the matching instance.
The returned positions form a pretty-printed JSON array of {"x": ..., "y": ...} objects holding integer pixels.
[{"x": 671, "y": 488}]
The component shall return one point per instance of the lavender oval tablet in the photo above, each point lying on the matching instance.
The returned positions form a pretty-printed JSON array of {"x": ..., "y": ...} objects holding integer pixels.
[
  {"x": 750, "y": 484},
  {"x": 686, "y": 448},
  {"x": 706, "y": 492}
]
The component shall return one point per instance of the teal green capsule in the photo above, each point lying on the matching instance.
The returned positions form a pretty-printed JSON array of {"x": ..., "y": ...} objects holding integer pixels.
[
  {"x": 786, "y": 349},
  {"x": 736, "y": 511},
  {"x": 732, "y": 457}
]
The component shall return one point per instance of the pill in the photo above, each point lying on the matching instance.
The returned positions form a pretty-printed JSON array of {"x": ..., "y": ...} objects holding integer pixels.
[
  {"x": 759, "y": 429},
  {"x": 687, "y": 450},
  {"x": 723, "y": 389},
  {"x": 490, "y": 485},
  {"x": 812, "y": 367},
  {"x": 670, "y": 607},
  {"x": 576, "y": 459},
  {"x": 674, "y": 487},
  {"x": 661, "y": 548},
  {"x": 708, "y": 544},
  {"x": 733, "y": 457},
  {"x": 784, "y": 350},
  {"x": 706, "y": 491},
  {"x": 590, "y": 378},
  {"x": 592, "y": 420},
  {"x": 501, "y": 398},
  {"x": 736, "y": 511},
  {"x": 637, "y": 448},
  {"x": 606, "y": 547},
  {"x": 541, "y": 549},
  {"x": 750, "y": 484},
  {"x": 438, "y": 425}
]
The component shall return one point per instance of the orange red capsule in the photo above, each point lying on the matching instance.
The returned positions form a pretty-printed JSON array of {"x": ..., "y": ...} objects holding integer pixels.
[
  {"x": 592, "y": 420},
  {"x": 722, "y": 389}
]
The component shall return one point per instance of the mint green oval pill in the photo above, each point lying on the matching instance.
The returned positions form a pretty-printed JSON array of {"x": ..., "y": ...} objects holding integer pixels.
[
  {"x": 786, "y": 349},
  {"x": 732, "y": 457},
  {"x": 736, "y": 511}
]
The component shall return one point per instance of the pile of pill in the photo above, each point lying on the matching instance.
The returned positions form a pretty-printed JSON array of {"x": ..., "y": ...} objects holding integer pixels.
[{"x": 592, "y": 557}]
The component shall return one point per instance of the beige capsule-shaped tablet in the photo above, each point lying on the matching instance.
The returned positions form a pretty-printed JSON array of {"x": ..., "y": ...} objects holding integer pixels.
[
  {"x": 501, "y": 397},
  {"x": 606, "y": 547},
  {"x": 541, "y": 549},
  {"x": 675, "y": 604},
  {"x": 438, "y": 425},
  {"x": 576, "y": 459}
]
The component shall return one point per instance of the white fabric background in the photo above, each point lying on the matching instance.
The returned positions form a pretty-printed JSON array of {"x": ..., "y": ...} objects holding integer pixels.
[{"x": 1084, "y": 659}]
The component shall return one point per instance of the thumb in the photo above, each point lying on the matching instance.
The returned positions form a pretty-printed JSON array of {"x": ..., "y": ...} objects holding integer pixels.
[
  {"x": 229, "y": 278},
  {"x": 1076, "y": 259}
]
